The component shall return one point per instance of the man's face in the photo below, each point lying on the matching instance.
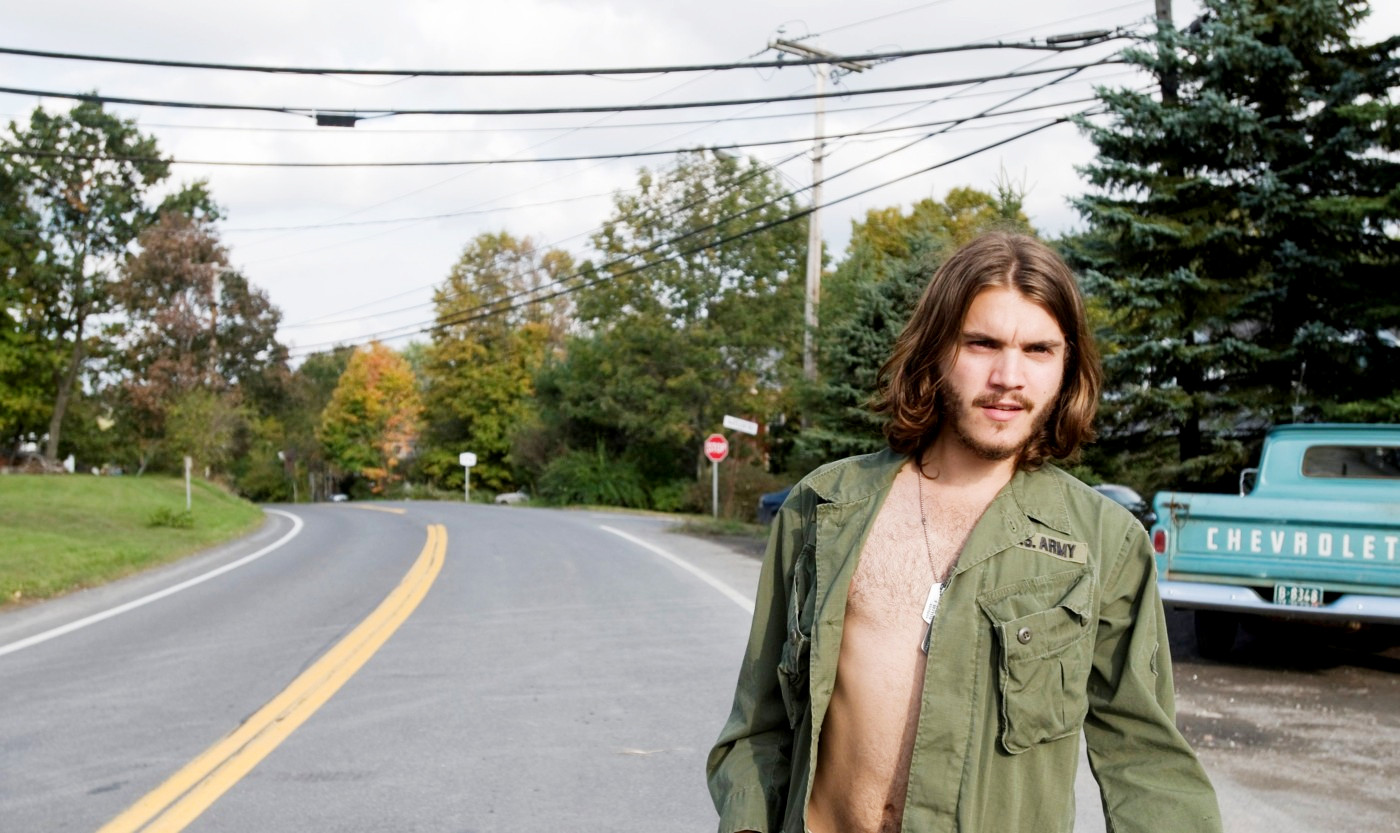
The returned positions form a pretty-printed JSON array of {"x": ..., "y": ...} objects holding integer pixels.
[{"x": 1002, "y": 383}]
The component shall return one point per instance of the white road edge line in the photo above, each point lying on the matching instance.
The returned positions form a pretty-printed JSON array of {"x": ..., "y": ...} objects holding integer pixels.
[
  {"x": 159, "y": 594},
  {"x": 733, "y": 595}
]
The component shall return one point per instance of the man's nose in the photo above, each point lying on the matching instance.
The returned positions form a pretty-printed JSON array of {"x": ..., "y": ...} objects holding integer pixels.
[{"x": 1008, "y": 370}]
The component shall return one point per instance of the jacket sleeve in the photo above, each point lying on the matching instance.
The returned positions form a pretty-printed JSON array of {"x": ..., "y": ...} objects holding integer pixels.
[
  {"x": 749, "y": 766},
  {"x": 1148, "y": 776}
]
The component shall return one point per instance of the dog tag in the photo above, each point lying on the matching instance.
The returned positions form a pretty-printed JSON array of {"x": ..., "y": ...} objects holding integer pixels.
[{"x": 935, "y": 592}]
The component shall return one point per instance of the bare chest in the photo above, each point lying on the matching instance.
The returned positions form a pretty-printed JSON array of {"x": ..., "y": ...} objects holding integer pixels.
[{"x": 902, "y": 557}]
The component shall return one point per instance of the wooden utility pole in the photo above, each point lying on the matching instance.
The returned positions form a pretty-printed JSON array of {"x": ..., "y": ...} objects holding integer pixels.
[{"x": 814, "y": 229}]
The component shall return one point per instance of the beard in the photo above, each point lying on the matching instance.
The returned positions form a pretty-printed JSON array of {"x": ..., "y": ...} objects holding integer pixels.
[{"x": 955, "y": 411}]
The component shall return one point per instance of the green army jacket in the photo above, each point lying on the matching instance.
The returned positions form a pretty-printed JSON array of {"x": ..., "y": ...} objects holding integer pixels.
[{"x": 1050, "y": 624}]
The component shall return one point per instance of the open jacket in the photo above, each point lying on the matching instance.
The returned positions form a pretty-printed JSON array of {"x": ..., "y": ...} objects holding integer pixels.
[{"x": 1051, "y": 624}]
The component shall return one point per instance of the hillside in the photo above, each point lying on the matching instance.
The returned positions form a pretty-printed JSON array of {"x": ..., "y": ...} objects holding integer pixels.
[{"x": 59, "y": 533}]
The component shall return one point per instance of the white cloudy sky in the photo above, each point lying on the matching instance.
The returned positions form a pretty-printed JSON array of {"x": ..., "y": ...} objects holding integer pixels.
[{"x": 350, "y": 252}]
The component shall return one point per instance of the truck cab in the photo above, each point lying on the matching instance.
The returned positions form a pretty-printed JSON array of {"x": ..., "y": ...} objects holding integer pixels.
[{"x": 1316, "y": 537}]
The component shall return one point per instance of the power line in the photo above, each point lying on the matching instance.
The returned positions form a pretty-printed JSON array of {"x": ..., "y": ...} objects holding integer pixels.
[
  {"x": 421, "y": 131},
  {"x": 874, "y": 19},
  {"x": 988, "y": 112},
  {"x": 728, "y": 187},
  {"x": 1032, "y": 44},
  {"x": 333, "y": 112},
  {"x": 447, "y": 215},
  {"x": 718, "y": 223},
  {"x": 492, "y": 308},
  {"x": 444, "y": 163}
]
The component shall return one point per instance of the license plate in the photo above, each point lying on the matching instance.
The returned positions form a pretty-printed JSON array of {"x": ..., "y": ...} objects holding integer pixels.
[{"x": 1298, "y": 595}]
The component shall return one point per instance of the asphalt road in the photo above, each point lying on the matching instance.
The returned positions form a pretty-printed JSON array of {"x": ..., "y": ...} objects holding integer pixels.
[{"x": 556, "y": 676}]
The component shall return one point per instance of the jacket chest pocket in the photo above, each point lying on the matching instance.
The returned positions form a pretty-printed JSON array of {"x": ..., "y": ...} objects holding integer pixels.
[
  {"x": 1044, "y": 651},
  {"x": 794, "y": 663}
]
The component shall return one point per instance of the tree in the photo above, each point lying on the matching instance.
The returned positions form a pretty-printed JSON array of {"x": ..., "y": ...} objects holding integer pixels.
[
  {"x": 84, "y": 176},
  {"x": 203, "y": 425},
  {"x": 283, "y": 447},
  {"x": 486, "y": 348},
  {"x": 695, "y": 313},
  {"x": 26, "y": 360},
  {"x": 188, "y": 323},
  {"x": 371, "y": 422},
  {"x": 1242, "y": 232}
]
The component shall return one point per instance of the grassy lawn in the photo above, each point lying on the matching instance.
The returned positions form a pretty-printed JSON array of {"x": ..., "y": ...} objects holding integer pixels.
[{"x": 60, "y": 533}]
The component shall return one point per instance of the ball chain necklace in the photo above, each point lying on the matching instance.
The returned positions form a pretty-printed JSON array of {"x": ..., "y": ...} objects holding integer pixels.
[{"x": 935, "y": 590}]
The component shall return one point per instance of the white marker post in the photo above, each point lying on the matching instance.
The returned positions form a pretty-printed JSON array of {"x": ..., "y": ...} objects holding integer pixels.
[
  {"x": 716, "y": 448},
  {"x": 189, "y": 464},
  {"x": 743, "y": 426},
  {"x": 466, "y": 460}
]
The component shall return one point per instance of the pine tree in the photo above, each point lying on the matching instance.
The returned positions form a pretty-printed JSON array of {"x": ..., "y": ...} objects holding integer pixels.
[{"x": 1242, "y": 232}]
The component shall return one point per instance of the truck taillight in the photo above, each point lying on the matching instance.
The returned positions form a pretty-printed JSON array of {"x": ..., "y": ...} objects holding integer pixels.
[{"x": 1159, "y": 541}]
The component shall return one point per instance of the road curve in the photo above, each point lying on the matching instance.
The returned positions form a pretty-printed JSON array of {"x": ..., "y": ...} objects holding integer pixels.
[{"x": 556, "y": 676}]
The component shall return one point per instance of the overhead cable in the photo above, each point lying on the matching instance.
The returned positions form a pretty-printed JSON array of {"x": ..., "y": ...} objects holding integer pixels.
[
  {"x": 988, "y": 112},
  {"x": 492, "y": 308},
  {"x": 443, "y": 163},
  {"x": 335, "y": 112},
  {"x": 1032, "y": 44}
]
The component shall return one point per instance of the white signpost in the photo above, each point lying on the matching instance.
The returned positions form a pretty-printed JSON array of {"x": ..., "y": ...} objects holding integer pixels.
[
  {"x": 466, "y": 460},
  {"x": 716, "y": 448},
  {"x": 742, "y": 425},
  {"x": 189, "y": 464}
]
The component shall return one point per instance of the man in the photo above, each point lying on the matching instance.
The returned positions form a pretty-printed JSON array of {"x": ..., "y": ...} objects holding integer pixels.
[{"x": 936, "y": 623}]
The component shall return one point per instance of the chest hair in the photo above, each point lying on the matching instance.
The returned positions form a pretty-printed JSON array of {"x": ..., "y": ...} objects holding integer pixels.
[{"x": 893, "y": 576}]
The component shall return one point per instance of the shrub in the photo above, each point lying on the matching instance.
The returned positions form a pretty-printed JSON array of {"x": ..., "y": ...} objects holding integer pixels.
[
  {"x": 593, "y": 478},
  {"x": 164, "y": 516}
]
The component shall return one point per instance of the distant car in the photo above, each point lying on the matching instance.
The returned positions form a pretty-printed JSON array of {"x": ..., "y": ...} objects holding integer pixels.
[
  {"x": 510, "y": 498},
  {"x": 769, "y": 504},
  {"x": 1130, "y": 500},
  {"x": 338, "y": 498}
]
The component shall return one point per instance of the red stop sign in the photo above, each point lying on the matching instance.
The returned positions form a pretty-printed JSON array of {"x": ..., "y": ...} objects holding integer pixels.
[{"x": 716, "y": 447}]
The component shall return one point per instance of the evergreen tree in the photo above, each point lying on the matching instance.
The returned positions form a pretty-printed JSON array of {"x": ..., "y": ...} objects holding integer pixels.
[{"x": 1241, "y": 234}]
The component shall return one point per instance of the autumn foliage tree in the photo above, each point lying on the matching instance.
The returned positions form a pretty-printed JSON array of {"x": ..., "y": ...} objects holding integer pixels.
[
  {"x": 486, "y": 348},
  {"x": 371, "y": 423},
  {"x": 190, "y": 324}
]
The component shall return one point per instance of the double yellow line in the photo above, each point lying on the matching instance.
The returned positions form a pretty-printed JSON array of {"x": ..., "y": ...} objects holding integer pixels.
[{"x": 189, "y": 792}]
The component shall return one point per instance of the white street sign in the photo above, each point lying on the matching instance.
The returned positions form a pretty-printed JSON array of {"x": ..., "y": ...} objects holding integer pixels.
[
  {"x": 467, "y": 459},
  {"x": 741, "y": 425}
]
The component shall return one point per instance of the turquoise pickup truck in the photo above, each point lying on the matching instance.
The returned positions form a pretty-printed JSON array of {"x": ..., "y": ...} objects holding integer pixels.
[{"x": 1316, "y": 536}]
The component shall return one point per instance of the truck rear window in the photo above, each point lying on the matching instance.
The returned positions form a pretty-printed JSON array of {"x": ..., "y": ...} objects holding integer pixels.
[{"x": 1353, "y": 461}]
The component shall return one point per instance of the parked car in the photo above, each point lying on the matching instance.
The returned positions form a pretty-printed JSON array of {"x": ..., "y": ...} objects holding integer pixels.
[
  {"x": 769, "y": 504},
  {"x": 1130, "y": 500},
  {"x": 511, "y": 498}
]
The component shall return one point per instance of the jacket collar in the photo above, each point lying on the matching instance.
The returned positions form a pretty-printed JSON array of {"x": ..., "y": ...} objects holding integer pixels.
[{"x": 1039, "y": 496}]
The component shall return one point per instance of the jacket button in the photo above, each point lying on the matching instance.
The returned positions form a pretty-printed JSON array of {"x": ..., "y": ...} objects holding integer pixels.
[{"x": 1023, "y": 635}]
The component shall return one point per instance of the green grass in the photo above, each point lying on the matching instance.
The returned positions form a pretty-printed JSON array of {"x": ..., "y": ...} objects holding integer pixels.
[{"x": 60, "y": 533}]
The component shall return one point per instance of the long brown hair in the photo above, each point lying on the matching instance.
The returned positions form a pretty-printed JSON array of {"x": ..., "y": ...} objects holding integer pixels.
[{"x": 909, "y": 386}]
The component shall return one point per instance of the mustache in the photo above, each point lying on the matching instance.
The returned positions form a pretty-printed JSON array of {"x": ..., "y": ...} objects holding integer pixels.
[{"x": 987, "y": 400}]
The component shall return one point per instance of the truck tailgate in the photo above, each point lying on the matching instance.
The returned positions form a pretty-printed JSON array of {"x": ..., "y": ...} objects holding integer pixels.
[{"x": 1341, "y": 545}]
